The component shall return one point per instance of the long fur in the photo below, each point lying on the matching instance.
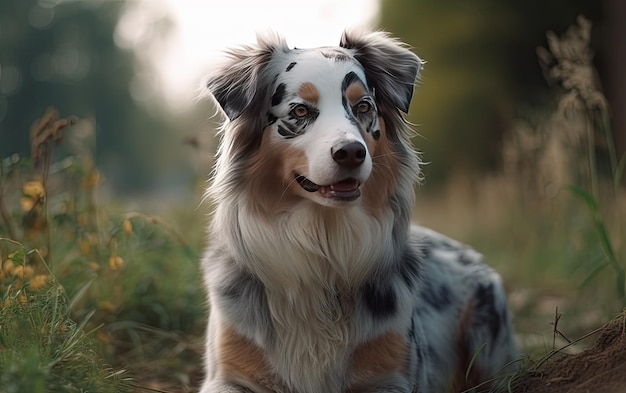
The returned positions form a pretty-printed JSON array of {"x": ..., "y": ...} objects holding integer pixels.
[{"x": 328, "y": 289}]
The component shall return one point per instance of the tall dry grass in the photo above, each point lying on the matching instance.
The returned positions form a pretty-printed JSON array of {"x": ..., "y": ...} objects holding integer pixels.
[{"x": 552, "y": 220}]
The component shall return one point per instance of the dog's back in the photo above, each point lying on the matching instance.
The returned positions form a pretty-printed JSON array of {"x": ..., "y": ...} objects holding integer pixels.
[{"x": 317, "y": 281}]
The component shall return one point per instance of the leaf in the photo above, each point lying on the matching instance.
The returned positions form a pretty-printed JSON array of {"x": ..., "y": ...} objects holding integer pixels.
[
  {"x": 619, "y": 172},
  {"x": 605, "y": 241},
  {"x": 585, "y": 196}
]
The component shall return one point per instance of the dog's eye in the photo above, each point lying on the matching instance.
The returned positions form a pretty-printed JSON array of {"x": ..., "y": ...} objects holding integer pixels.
[
  {"x": 300, "y": 111},
  {"x": 363, "y": 107}
]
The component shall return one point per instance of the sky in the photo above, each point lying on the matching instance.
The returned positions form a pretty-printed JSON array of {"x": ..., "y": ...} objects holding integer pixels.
[{"x": 176, "y": 61}]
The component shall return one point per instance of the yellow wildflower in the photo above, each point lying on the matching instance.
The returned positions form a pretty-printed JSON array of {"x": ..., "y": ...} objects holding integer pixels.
[
  {"x": 8, "y": 266},
  {"x": 27, "y": 204},
  {"x": 32, "y": 194},
  {"x": 107, "y": 306},
  {"x": 33, "y": 189},
  {"x": 23, "y": 272},
  {"x": 115, "y": 262},
  {"x": 127, "y": 226},
  {"x": 84, "y": 247},
  {"x": 39, "y": 281}
]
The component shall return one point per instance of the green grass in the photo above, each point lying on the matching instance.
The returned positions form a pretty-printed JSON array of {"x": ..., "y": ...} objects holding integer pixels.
[
  {"x": 42, "y": 349},
  {"x": 95, "y": 298}
]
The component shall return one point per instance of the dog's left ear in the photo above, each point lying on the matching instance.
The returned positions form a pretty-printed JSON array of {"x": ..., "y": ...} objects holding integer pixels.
[{"x": 390, "y": 68}]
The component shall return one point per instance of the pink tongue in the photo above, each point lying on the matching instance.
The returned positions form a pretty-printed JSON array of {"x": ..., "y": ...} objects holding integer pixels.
[{"x": 346, "y": 185}]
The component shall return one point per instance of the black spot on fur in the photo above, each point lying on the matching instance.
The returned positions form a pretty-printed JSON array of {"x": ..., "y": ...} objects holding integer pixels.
[
  {"x": 380, "y": 299},
  {"x": 349, "y": 79},
  {"x": 425, "y": 250},
  {"x": 436, "y": 297},
  {"x": 271, "y": 119},
  {"x": 376, "y": 134},
  {"x": 290, "y": 66},
  {"x": 282, "y": 131},
  {"x": 391, "y": 69},
  {"x": 244, "y": 297},
  {"x": 410, "y": 268},
  {"x": 244, "y": 286},
  {"x": 279, "y": 95},
  {"x": 292, "y": 126},
  {"x": 485, "y": 309}
]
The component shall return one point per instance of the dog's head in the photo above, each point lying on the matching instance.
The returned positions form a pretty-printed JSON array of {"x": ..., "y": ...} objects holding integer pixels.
[{"x": 320, "y": 124}]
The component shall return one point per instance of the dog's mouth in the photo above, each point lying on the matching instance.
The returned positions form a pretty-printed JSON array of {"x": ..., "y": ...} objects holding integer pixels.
[{"x": 345, "y": 190}]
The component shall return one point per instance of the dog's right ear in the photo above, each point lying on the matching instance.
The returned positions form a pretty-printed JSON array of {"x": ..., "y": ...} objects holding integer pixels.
[{"x": 236, "y": 83}]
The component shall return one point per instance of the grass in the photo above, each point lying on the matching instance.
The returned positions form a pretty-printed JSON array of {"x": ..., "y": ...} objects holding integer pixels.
[
  {"x": 551, "y": 222},
  {"x": 42, "y": 348},
  {"x": 96, "y": 298}
]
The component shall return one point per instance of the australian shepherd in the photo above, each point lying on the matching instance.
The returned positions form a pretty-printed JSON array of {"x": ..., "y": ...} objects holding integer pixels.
[{"x": 317, "y": 280}]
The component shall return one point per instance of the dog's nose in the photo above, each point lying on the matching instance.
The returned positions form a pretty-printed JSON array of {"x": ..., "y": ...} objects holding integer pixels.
[{"x": 350, "y": 155}]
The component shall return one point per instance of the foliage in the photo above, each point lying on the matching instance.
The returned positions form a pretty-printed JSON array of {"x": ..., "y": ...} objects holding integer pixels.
[
  {"x": 42, "y": 348},
  {"x": 131, "y": 279},
  {"x": 577, "y": 150}
]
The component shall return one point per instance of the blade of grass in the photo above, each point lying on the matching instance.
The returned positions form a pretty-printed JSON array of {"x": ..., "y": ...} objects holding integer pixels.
[
  {"x": 472, "y": 361},
  {"x": 603, "y": 236},
  {"x": 619, "y": 173},
  {"x": 585, "y": 196},
  {"x": 81, "y": 292},
  {"x": 594, "y": 272},
  {"x": 609, "y": 251}
]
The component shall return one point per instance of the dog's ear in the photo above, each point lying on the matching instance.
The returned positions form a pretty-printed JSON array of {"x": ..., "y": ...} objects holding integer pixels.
[
  {"x": 390, "y": 68},
  {"x": 237, "y": 82}
]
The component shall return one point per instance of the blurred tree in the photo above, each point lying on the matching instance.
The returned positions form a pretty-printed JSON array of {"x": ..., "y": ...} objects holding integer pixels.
[
  {"x": 481, "y": 68},
  {"x": 63, "y": 54}
]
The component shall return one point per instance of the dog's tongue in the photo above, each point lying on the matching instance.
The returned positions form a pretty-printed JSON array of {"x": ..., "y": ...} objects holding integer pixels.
[{"x": 346, "y": 185}]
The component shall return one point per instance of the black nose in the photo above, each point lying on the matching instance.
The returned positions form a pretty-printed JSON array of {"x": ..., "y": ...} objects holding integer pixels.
[{"x": 350, "y": 155}]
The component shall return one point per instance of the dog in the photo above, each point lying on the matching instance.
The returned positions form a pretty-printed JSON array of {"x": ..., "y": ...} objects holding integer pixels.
[{"x": 317, "y": 281}]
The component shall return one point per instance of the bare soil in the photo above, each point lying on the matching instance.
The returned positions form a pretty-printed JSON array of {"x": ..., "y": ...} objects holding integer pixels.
[{"x": 601, "y": 369}]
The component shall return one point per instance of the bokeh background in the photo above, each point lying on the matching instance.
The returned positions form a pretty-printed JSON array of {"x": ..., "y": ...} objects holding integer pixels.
[
  {"x": 522, "y": 132},
  {"x": 134, "y": 69}
]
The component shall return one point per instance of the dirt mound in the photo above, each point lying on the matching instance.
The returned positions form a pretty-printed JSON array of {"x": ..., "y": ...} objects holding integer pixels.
[{"x": 601, "y": 369}]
